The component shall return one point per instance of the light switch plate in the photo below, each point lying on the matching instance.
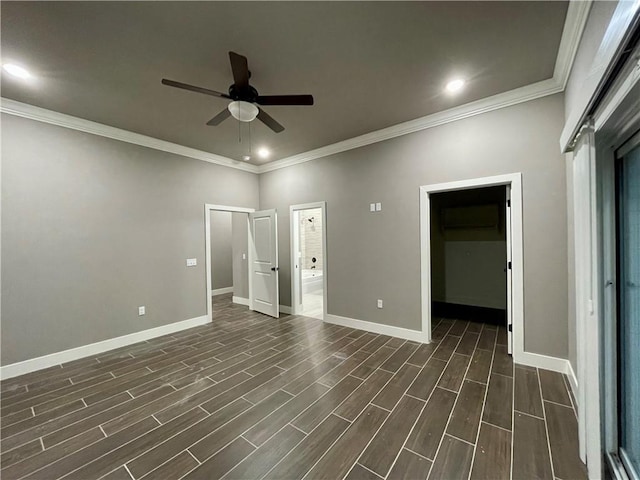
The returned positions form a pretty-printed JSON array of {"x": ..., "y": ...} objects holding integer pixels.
[
  {"x": 142, "y": 310},
  {"x": 192, "y": 262},
  {"x": 372, "y": 207},
  {"x": 378, "y": 206},
  {"x": 379, "y": 303}
]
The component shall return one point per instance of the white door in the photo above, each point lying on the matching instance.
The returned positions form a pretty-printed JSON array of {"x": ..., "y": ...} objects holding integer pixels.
[
  {"x": 264, "y": 295},
  {"x": 509, "y": 275}
]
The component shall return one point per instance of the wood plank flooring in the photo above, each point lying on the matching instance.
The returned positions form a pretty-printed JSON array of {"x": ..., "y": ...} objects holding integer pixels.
[{"x": 251, "y": 397}]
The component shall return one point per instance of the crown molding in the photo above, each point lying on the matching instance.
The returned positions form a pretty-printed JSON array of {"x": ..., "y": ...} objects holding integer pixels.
[
  {"x": 32, "y": 112},
  {"x": 488, "y": 104},
  {"x": 574, "y": 23}
]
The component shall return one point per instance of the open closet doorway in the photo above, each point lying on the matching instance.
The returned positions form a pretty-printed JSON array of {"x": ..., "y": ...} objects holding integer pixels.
[
  {"x": 470, "y": 254},
  {"x": 308, "y": 260}
]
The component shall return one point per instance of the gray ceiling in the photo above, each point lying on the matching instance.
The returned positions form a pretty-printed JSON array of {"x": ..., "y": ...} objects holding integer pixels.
[{"x": 369, "y": 65}]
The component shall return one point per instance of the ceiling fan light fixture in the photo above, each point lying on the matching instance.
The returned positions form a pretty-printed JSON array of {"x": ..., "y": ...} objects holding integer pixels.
[{"x": 243, "y": 111}]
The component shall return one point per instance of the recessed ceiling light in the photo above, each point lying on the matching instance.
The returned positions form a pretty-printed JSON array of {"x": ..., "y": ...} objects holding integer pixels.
[
  {"x": 246, "y": 158},
  {"x": 455, "y": 85},
  {"x": 264, "y": 152},
  {"x": 16, "y": 70}
]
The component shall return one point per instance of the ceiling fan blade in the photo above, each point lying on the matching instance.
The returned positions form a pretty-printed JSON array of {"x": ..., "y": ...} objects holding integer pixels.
[
  {"x": 285, "y": 100},
  {"x": 268, "y": 120},
  {"x": 223, "y": 115},
  {"x": 240, "y": 70},
  {"x": 193, "y": 88}
]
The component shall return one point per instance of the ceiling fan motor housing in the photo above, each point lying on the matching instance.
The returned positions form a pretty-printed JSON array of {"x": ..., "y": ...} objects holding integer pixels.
[{"x": 247, "y": 94}]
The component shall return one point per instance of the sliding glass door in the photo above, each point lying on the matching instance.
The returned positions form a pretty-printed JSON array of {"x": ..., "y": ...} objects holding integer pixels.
[{"x": 628, "y": 354}]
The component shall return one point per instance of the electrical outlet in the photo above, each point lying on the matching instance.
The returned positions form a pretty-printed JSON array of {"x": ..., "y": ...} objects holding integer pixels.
[
  {"x": 192, "y": 262},
  {"x": 142, "y": 310},
  {"x": 379, "y": 303},
  {"x": 378, "y": 207},
  {"x": 244, "y": 256}
]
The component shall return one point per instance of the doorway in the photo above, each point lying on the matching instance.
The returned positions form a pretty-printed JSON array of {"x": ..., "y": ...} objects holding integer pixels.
[
  {"x": 228, "y": 261},
  {"x": 510, "y": 186},
  {"x": 226, "y": 256},
  {"x": 470, "y": 252},
  {"x": 308, "y": 260}
]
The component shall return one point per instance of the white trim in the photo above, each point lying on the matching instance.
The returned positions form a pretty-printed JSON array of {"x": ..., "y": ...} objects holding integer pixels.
[
  {"x": 573, "y": 382},
  {"x": 616, "y": 34},
  {"x": 306, "y": 206},
  {"x": 32, "y": 112},
  {"x": 514, "y": 180},
  {"x": 574, "y": 23},
  {"x": 545, "y": 362},
  {"x": 555, "y": 364},
  {"x": 34, "y": 364},
  {"x": 208, "y": 208},
  {"x": 489, "y": 104},
  {"x": 240, "y": 300},
  {"x": 622, "y": 89},
  {"x": 221, "y": 291},
  {"x": 399, "y": 332}
]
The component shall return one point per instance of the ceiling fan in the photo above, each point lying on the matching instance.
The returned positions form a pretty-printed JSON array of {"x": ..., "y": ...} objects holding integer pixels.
[{"x": 245, "y": 98}]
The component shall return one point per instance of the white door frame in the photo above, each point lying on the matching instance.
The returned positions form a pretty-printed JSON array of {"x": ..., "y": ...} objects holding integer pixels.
[
  {"x": 293, "y": 228},
  {"x": 208, "y": 208},
  {"x": 514, "y": 180}
]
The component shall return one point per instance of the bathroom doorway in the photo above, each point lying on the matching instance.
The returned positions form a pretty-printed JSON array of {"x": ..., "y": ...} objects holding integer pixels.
[{"x": 308, "y": 260}]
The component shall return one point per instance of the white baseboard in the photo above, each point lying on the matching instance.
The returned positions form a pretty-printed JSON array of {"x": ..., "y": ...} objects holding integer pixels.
[
  {"x": 545, "y": 362},
  {"x": 286, "y": 309},
  {"x": 221, "y": 291},
  {"x": 240, "y": 300},
  {"x": 407, "y": 334},
  {"x": 39, "y": 363},
  {"x": 573, "y": 381}
]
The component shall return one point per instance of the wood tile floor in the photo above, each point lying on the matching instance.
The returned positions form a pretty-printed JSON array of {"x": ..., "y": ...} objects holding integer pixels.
[{"x": 253, "y": 397}]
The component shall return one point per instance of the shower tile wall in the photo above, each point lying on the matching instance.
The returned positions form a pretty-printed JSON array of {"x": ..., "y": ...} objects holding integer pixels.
[{"x": 311, "y": 238}]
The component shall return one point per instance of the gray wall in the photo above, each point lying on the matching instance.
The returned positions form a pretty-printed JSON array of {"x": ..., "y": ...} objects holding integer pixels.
[
  {"x": 221, "y": 250},
  {"x": 240, "y": 232},
  {"x": 371, "y": 256},
  {"x": 92, "y": 228}
]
